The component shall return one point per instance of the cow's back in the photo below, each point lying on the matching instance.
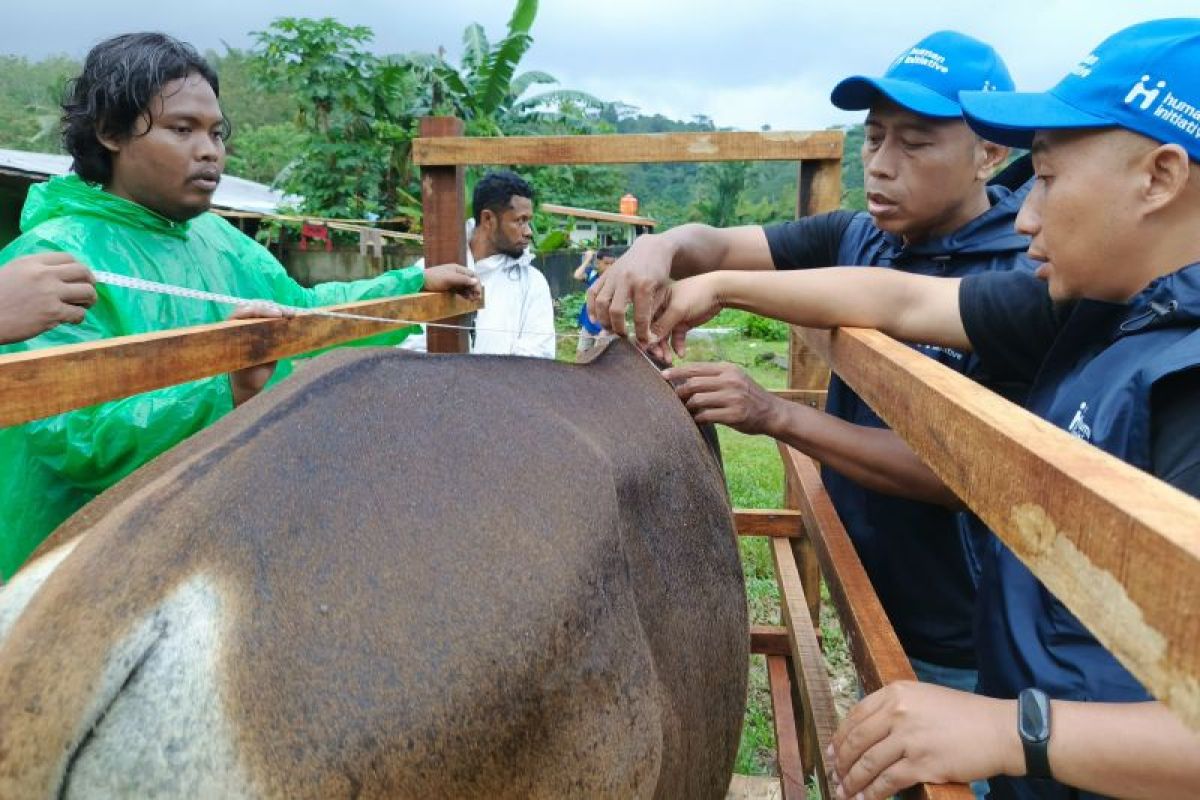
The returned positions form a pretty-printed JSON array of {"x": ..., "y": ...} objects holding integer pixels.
[{"x": 398, "y": 576}]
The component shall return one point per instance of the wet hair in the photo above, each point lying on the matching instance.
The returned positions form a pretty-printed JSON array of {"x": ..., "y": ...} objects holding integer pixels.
[
  {"x": 496, "y": 190},
  {"x": 612, "y": 251},
  {"x": 120, "y": 77}
]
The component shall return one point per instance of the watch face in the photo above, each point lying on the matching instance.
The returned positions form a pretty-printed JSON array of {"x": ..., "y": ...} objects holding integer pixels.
[{"x": 1033, "y": 716}]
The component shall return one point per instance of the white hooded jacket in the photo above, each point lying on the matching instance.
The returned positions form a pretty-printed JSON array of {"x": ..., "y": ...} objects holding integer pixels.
[{"x": 518, "y": 315}]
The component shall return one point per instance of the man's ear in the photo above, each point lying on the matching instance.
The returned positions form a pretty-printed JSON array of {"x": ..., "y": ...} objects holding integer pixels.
[
  {"x": 1165, "y": 172},
  {"x": 487, "y": 219},
  {"x": 110, "y": 143},
  {"x": 990, "y": 157}
]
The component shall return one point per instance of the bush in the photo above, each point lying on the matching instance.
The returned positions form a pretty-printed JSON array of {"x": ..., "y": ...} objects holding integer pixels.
[
  {"x": 566, "y": 310},
  {"x": 769, "y": 330}
]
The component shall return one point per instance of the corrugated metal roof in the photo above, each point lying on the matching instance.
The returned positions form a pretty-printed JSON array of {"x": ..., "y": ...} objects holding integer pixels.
[{"x": 233, "y": 193}]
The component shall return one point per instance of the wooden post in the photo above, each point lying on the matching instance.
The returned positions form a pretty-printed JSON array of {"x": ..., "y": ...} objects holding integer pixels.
[
  {"x": 443, "y": 206},
  {"x": 819, "y": 190}
]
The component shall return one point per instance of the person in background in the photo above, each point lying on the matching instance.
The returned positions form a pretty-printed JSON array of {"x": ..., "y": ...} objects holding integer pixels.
[
  {"x": 517, "y": 318},
  {"x": 592, "y": 267}
]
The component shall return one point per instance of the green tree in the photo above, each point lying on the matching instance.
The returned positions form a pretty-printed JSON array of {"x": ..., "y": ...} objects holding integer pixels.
[
  {"x": 484, "y": 89},
  {"x": 721, "y": 187},
  {"x": 356, "y": 109}
]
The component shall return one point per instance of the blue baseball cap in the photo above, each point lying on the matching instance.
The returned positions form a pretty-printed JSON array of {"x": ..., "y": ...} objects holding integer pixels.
[
  {"x": 1144, "y": 79},
  {"x": 927, "y": 77}
]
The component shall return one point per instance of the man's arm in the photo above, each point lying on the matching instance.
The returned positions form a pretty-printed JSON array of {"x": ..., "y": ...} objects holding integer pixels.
[
  {"x": 912, "y": 308},
  {"x": 909, "y": 733},
  {"x": 876, "y": 458},
  {"x": 38, "y": 292},
  {"x": 642, "y": 275}
]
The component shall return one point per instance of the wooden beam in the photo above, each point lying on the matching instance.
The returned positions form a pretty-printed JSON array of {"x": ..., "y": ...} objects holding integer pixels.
[
  {"x": 1118, "y": 547},
  {"x": 41, "y": 383},
  {"x": 769, "y": 640},
  {"x": 783, "y": 522},
  {"x": 809, "y": 397},
  {"x": 443, "y": 208},
  {"x": 819, "y": 188},
  {"x": 820, "y": 715},
  {"x": 599, "y": 216},
  {"x": 878, "y": 657},
  {"x": 787, "y": 743},
  {"x": 638, "y": 148}
]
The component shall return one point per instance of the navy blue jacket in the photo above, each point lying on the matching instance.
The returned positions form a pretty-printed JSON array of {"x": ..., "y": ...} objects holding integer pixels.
[
  {"x": 916, "y": 554},
  {"x": 1095, "y": 382}
]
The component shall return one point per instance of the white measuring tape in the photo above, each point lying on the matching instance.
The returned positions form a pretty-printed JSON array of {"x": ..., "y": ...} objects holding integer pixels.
[{"x": 154, "y": 287}]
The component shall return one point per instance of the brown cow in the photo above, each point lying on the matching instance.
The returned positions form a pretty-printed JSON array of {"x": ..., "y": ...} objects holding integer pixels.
[{"x": 393, "y": 576}]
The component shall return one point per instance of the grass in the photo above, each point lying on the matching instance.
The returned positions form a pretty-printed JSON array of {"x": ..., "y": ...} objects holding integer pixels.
[{"x": 754, "y": 475}]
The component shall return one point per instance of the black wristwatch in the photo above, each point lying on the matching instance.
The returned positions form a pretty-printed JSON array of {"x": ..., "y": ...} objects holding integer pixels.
[{"x": 1033, "y": 725}]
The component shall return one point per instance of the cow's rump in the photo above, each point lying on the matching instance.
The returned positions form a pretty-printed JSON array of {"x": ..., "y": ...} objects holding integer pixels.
[{"x": 394, "y": 576}]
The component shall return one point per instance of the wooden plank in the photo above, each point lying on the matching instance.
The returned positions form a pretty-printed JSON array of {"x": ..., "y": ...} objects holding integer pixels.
[
  {"x": 820, "y": 715},
  {"x": 638, "y": 148},
  {"x": 819, "y": 188},
  {"x": 599, "y": 216},
  {"x": 785, "y": 522},
  {"x": 40, "y": 383},
  {"x": 1120, "y": 548},
  {"x": 878, "y": 657},
  {"x": 787, "y": 743},
  {"x": 769, "y": 640},
  {"x": 814, "y": 398},
  {"x": 443, "y": 208}
]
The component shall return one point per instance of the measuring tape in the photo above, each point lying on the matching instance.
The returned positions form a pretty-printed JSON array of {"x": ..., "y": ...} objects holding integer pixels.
[{"x": 154, "y": 287}]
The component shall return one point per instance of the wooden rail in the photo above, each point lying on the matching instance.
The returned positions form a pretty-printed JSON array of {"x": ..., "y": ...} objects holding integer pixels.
[
  {"x": 641, "y": 148},
  {"x": 1118, "y": 547},
  {"x": 41, "y": 383}
]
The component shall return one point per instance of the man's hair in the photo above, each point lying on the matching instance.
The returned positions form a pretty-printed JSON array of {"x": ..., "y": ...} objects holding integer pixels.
[
  {"x": 120, "y": 77},
  {"x": 612, "y": 251},
  {"x": 496, "y": 190}
]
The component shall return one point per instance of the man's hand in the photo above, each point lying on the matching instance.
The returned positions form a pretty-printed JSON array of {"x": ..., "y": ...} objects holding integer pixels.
[
  {"x": 909, "y": 733},
  {"x": 724, "y": 393},
  {"x": 41, "y": 291},
  {"x": 641, "y": 276},
  {"x": 453, "y": 278},
  {"x": 248, "y": 382},
  {"x": 686, "y": 304}
]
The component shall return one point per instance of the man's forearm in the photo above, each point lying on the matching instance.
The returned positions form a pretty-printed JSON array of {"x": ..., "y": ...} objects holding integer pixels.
[
  {"x": 876, "y": 458},
  {"x": 914, "y": 308},
  {"x": 1127, "y": 750},
  {"x": 694, "y": 249}
]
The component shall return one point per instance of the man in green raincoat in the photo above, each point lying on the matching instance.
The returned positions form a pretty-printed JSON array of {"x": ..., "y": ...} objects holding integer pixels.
[{"x": 145, "y": 129}]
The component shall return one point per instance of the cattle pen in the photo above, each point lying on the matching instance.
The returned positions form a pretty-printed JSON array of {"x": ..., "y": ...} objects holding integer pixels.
[{"x": 1118, "y": 547}]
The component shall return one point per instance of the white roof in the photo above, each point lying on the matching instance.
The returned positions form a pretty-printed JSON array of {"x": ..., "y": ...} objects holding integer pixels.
[{"x": 237, "y": 194}]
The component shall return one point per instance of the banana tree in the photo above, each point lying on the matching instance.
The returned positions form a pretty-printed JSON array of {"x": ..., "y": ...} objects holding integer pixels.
[{"x": 484, "y": 89}]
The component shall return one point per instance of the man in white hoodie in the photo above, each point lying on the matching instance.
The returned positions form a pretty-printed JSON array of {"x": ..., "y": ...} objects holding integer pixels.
[{"x": 518, "y": 314}]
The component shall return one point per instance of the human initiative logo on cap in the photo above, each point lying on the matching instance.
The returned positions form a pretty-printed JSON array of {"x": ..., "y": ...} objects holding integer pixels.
[
  {"x": 927, "y": 77},
  {"x": 1143, "y": 78}
]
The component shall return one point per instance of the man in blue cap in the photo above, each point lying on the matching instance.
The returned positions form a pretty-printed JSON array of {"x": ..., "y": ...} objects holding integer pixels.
[
  {"x": 930, "y": 212},
  {"x": 1110, "y": 337}
]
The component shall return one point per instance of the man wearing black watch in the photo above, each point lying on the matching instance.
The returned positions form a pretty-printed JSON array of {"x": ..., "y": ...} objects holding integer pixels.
[{"x": 1033, "y": 726}]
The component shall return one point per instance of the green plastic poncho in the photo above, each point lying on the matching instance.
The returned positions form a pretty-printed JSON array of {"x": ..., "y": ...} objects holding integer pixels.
[{"x": 51, "y": 467}]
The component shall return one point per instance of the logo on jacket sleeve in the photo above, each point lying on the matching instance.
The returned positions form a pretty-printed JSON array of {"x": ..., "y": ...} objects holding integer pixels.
[{"x": 1079, "y": 427}]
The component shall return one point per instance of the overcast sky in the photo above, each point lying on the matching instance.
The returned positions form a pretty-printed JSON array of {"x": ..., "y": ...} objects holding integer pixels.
[{"x": 745, "y": 63}]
